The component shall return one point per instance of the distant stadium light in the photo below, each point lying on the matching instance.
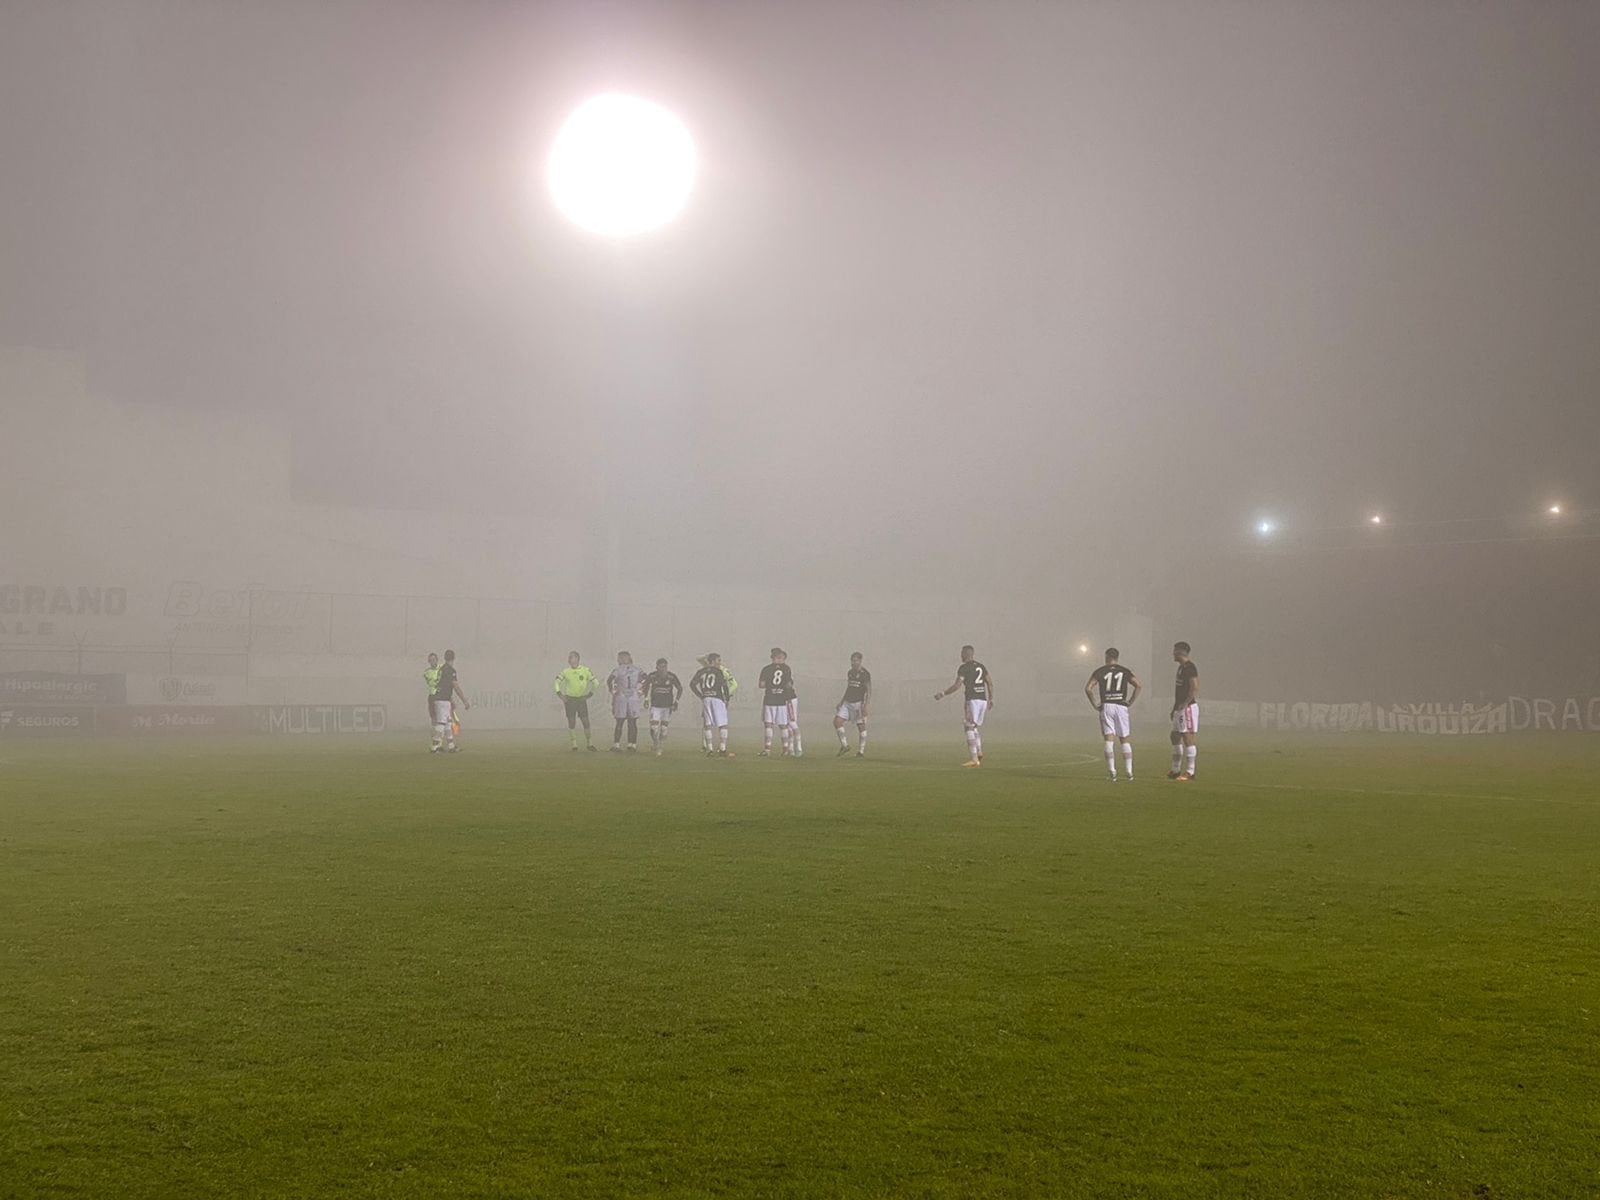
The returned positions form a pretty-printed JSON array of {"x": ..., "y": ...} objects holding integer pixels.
[
  {"x": 621, "y": 166},
  {"x": 1375, "y": 519},
  {"x": 1266, "y": 528},
  {"x": 1083, "y": 647},
  {"x": 1554, "y": 510}
]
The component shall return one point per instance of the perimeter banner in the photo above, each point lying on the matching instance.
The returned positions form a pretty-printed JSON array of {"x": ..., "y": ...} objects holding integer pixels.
[
  {"x": 55, "y": 687},
  {"x": 317, "y": 719},
  {"x": 156, "y": 720},
  {"x": 1515, "y": 714},
  {"x": 45, "y": 720}
]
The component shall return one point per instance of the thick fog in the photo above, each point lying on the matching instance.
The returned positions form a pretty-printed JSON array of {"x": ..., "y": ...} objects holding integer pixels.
[{"x": 1002, "y": 323}]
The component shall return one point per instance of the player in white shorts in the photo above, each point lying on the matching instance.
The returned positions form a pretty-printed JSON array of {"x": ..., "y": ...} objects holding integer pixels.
[
  {"x": 1185, "y": 714},
  {"x": 853, "y": 707},
  {"x": 662, "y": 689},
  {"x": 715, "y": 688},
  {"x": 1117, "y": 689},
  {"x": 780, "y": 706},
  {"x": 973, "y": 678}
]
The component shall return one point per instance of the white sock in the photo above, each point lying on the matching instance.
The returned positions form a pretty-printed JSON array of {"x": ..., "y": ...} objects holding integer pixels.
[
  {"x": 1111, "y": 758},
  {"x": 766, "y": 737},
  {"x": 861, "y": 730},
  {"x": 707, "y": 737},
  {"x": 977, "y": 736},
  {"x": 1177, "y": 757},
  {"x": 794, "y": 739},
  {"x": 1188, "y": 752},
  {"x": 972, "y": 744},
  {"x": 723, "y": 733},
  {"x": 1127, "y": 759},
  {"x": 844, "y": 739}
]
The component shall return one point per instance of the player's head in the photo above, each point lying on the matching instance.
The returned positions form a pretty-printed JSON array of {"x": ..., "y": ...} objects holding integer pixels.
[
  {"x": 713, "y": 659},
  {"x": 433, "y": 660},
  {"x": 449, "y": 656},
  {"x": 777, "y": 654},
  {"x": 855, "y": 659},
  {"x": 661, "y": 664},
  {"x": 1112, "y": 654},
  {"x": 572, "y": 658},
  {"x": 968, "y": 654},
  {"x": 1180, "y": 651},
  {"x": 624, "y": 658}
]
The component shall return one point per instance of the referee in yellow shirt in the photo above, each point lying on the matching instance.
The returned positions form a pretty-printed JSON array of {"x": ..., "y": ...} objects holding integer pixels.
[{"x": 575, "y": 684}]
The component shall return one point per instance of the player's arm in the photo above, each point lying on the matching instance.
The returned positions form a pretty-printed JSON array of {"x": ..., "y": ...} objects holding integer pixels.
[
  {"x": 1133, "y": 681},
  {"x": 991, "y": 691},
  {"x": 866, "y": 695},
  {"x": 954, "y": 687},
  {"x": 1088, "y": 689},
  {"x": 465, "y": 703}
]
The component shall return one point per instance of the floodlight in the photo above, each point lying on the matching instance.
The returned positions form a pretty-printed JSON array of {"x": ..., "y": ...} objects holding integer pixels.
[
  {"x": 1266, "y": 528},
  {"x": 1375, "y": 519},
  {"x": 1083, "y": 647},
  {"x": 1554, "y": 510},
  {"x": 621, "y": 166}
]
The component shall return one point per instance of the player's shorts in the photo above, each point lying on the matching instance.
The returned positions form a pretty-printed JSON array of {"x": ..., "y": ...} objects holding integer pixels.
[
  {"x": 1186, "y": 719},
  {"x": 715, "y": 710},
  {"x": 660, "y": 716},
  {"x": 852, "y": 710},
  {"x": 626, "y": 704},
  {"x": 1114, "y": 720},
  {"x": 975, "y": 711},
  {"x": 442, "y": 711},
  {"x": 780, "y": 714},
  {"x": 577, "y": 708}
]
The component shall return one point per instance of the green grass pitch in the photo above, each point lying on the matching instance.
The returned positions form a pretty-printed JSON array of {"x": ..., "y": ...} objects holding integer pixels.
[{"x": 1349, "y": 967}]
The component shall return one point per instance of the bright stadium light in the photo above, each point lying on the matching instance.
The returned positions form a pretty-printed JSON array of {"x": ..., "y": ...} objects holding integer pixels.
[
  {"x": 1266, "y": 528},
  {"x": 1375, "y": 519},
  {"x": 1554, "y": 510},
  {"x": 1083, "y": 647},
  {"x": 621, "y": 166}
]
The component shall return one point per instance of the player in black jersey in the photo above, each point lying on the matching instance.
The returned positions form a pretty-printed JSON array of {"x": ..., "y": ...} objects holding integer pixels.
[
  {"x": 972, "y": 677},
  {"x": 853, "y": 706},
  {"x": 445, "y": 689},
  {"x": 1185, "y": 714},
  {"x": 1118, "y": 688},
  {"x": 712, "y": 684},
  {"x": 779, "y": 705},
  {"x": 662, "y": 690}
]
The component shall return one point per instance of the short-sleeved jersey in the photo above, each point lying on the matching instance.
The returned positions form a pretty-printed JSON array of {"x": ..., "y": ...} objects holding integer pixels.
[
  {"x": 625, "y": 678},
  {"x": 777, "y": 681},
  {"x": 1115, "y": 683},
  {"x": 664, "y": 688},
  {"x": 857, "y": 685},
  {"x": 709, "y": 681},
  {"x": 1186, "y": 672},
  {"x": 976, "y": 678},
  {"x": 445, "y": 686}
]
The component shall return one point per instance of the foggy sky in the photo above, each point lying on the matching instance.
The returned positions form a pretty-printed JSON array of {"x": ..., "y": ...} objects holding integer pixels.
[{"x": 1024, "y": 290}]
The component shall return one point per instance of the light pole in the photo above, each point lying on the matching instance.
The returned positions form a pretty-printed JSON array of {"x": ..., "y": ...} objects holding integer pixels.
[{"x": 620, "y": 167}]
